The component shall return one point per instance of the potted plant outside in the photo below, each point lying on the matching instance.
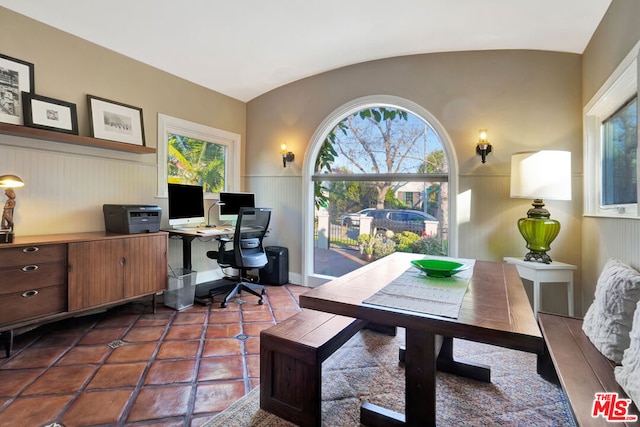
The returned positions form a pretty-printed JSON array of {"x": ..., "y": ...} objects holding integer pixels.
[{"x": 366, "y": 244}]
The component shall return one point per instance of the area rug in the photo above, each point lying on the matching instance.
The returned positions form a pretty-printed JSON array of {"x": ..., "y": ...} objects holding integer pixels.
[{"x": 366, "y": 368}]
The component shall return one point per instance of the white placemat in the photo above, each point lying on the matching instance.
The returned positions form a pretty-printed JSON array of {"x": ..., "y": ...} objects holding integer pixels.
[{"x": 414, "y": 291}]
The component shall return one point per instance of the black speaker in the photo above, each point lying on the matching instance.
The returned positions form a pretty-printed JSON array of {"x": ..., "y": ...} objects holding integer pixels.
[{"x": 276, "y": 272}]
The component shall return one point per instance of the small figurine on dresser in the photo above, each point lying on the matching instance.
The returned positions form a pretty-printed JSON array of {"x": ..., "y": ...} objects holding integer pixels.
[
  {"x": 6, "y": 226},
  {"x": 9, "y": 206}
]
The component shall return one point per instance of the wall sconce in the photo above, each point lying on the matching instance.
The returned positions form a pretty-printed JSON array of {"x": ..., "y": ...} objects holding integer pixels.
[
  {"x": 6, "y": 224},
  {"x": 287, "y": 156},
  {"x": 483, "y": 148}
]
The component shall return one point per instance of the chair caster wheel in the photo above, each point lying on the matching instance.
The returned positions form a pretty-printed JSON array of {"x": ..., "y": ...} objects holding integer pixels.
[
  {"x": 260, "y": 302},
  {"x": 223, "y": 305},
  {"x": 264, "y": 292}
]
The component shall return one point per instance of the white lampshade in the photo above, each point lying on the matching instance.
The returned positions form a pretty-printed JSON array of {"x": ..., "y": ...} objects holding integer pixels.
[{"x": 543, "y": 174}]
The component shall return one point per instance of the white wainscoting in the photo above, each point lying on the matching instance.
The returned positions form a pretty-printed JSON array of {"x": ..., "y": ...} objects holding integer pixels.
[
  {"x": 284, "y": 195},
  {"x": 606, "y": 238},
  {"x": 64, "y": 190}
]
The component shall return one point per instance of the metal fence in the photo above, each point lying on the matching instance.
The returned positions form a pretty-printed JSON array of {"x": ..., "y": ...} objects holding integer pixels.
[
  {"x": 344, "y": 236},
  {"x": 340, "y": 236}
]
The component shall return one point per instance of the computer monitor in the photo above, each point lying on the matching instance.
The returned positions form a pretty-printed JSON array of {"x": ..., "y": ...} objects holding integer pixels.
[
  {"x": 230, "y": 204},
  {"x": 186, "y": 205}
]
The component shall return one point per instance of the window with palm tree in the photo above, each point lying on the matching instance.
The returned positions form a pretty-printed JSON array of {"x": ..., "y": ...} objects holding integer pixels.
[
  {"x": 195, "y": 154},
  {"x": 196, "y": 162}
]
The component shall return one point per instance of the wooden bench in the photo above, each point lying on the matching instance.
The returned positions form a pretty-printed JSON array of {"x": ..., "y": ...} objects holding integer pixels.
[
  {"x": 570, "y": 360},
  {"x": 291, "y": 356}
]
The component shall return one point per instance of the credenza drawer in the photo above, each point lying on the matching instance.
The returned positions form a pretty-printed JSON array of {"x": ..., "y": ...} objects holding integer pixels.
[
  {"x": 30, "y": 276},
  {"x": 33, "y": 303},
  {"x": 33, "y": 254}
]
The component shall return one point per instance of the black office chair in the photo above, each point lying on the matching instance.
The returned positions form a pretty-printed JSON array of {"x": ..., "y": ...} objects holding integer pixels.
[{"x": 247, "y": 252}]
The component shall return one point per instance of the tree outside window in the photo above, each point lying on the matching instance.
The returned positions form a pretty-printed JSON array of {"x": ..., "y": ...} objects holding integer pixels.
[
  {"x": 196, "y": 162},
  {"x": 382, "y": 158},
  {"x": 619, "y": 156}
]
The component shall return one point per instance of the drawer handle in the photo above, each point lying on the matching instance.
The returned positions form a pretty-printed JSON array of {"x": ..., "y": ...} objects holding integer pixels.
[
  {"x": 28, "y": 268},
  {"x": 30, "y": 249},
  {"x": 30, "y": 294}
]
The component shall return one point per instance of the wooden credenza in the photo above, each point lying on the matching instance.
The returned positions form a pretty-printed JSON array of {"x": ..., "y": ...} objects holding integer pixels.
[{"x": 50, "y": 277}]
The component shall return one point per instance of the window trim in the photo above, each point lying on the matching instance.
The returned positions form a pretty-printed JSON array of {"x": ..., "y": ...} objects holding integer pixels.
[
  {"x": 621, "y": 86},
  {"x": 172, "y": 125}
]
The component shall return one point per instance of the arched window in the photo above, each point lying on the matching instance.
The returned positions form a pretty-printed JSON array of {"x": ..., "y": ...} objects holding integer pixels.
[{"x": 380, "y": 178}]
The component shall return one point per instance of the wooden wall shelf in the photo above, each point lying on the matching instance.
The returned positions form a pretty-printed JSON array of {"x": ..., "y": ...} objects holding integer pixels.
[{"x": 47, "y": 135}]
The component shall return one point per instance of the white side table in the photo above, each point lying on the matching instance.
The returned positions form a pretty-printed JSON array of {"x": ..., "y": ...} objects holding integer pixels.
[{"x": 538, "y": 273}]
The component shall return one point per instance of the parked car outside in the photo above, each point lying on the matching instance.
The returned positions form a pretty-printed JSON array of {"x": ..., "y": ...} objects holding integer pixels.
[
  {"x": 353, "y": 219},
  {"x": 399, "y": 220}
]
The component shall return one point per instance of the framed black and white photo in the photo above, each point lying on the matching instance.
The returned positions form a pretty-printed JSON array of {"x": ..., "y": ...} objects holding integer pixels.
[
  {"x": 16, "y": 76},
  {"x": 50, "y": 114},
  {"x": 115, "y": 121}
]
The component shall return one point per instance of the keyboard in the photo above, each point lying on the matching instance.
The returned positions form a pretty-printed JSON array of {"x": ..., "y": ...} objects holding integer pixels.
[{"x": 207, "y": 231}]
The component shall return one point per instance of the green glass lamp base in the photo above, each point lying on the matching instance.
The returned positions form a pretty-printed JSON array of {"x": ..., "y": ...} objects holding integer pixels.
[{"x": 538, "y": 230}]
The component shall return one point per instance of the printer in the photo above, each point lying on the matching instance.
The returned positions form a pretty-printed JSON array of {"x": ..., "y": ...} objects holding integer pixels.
[{"x": 132, "y": 219}]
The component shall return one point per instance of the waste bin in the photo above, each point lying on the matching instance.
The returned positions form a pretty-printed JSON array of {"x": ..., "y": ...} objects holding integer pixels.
[
  {"x": 181, "y": 290},
  {"x": 276, "y": 272}
]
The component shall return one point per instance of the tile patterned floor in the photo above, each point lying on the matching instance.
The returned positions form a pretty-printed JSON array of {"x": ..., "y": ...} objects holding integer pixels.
[{"x": 130, "y": 367}]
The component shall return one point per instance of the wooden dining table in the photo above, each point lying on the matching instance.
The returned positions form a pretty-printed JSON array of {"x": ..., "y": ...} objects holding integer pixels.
[{"x": 495, "y": 310}]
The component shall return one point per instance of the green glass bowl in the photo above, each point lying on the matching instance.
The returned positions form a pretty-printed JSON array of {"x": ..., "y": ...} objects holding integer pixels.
[{"x": 438, "y": 267}]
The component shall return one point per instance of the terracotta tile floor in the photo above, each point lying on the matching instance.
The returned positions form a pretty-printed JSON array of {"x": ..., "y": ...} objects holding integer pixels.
[{"x": 171, "y": 369}]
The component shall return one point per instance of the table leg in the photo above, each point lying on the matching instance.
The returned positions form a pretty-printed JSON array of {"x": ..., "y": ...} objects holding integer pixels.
[
  {"x": 187, "y": 264},
  {"x": 420, "y": 379},
  {"x": 186, "y": 251},
  {"x": 6, "y": 339},
  {"x": 570, "y": 296},
  {"x": 447, "y": 363},
  {"x": 463, "y": 368},
  {"x": 536, "y": 297}
]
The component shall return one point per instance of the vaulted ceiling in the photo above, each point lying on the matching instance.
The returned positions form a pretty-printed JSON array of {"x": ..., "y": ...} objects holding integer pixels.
[{"x": 244, "y": 48}]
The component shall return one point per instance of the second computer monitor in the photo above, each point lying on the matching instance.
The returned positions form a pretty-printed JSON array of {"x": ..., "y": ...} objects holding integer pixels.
[{"x": 230, "y": 204}]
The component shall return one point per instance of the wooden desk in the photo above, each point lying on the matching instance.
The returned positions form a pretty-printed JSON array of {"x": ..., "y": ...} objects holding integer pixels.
[
  {"x": 495, "y": 310},
  {"x": 188, "y": 236}
]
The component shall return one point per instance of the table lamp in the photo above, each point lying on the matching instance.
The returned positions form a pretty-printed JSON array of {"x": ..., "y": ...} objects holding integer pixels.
[
  {"x": 6, "y": 224},
  {"x": 540, "y": 175}
]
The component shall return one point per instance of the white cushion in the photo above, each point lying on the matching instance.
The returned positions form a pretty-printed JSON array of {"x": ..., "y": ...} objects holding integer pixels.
[
  {"x": 628, "y": 375},
  {"x": 609, "y": 318}
]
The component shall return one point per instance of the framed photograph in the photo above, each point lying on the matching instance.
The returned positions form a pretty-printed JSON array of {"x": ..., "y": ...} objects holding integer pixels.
[
  {"x": 115, "y": 121},
  {"x": 16, "y": 76},
  {"x": 50, "y": 114}
]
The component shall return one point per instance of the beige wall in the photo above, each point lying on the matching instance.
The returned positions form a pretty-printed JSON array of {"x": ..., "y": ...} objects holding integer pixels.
[
  {"x": 617, "y": 33},
  {"x": 606, "y": 238},
  {"x": 528, "y": 100},
  {"x": 66, "y": 185}
]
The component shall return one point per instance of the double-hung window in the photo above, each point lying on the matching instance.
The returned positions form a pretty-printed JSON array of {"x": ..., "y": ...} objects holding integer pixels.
[
  {"x": 611, "y": 144},
  {"x": 620, "y": 158}
]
